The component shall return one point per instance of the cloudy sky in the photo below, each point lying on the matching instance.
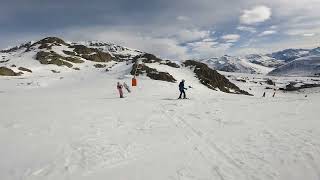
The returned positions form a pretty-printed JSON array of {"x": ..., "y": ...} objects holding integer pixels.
[{"x": 177, "y": 29}]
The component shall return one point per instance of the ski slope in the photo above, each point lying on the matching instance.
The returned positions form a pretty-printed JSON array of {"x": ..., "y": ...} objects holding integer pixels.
[{"x": 73, "y": 126}]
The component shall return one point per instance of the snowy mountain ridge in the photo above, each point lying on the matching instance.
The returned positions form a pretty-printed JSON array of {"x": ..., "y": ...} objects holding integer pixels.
[
  {"x": 304, "y": 66},
  {"x": 268, "y": 63},
  {"x": 252, "y": 63}
]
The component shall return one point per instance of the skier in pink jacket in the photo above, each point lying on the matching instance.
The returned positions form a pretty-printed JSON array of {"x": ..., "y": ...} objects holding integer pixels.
[{"x": 119, "y": 87}]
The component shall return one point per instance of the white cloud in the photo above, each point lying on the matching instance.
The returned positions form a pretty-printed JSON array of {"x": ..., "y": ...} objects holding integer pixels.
[
  {"x": 205, "y": 49},
  {"x": 231, "y": 38},
  {"x": 273, "y": 27},
  {"x": 309, "y": 34},
  {"x": 303, "y": 32},
  {"x": 183, "y": 18},
  {"x": 266, "y": 33},
  {"x": 191, "y": 35},
  {"x": 164, "y": 47},
  {"x": 247, "y": 28},
  {"x": 255, "y": 15}
]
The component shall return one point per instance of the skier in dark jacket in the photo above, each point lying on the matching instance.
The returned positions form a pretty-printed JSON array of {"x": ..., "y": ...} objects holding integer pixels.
[{"x": 181, "y": 89}]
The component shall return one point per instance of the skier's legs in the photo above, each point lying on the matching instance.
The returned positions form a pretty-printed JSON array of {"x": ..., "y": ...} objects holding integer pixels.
[
  {"x": 180, "y": 94},
  {"x": 184, "y": 94},
  {"x": 121, "y": 93}
]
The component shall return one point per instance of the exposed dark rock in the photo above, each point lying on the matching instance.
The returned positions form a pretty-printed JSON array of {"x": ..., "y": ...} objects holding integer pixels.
[
  {"x": 212, "y": 79},
  {"x": 55, "y": 71},
  {"x": 70, "y": 53},
  {"x": 99, "y": 65},
  {"x": 25, "y": 69},
  {"x": 270, "y": 82},
  {"x": 26, "y": 45},
  {"x": 76, "y": 68},
  {"x": 4, "y": 71},
  {"x": 73, "y": 59},
  {"x": 19, "y": 73},
  {"x": 291, "y": 86},
  {"x": 170, "y": 63},
  {"x": 241, "y": 80},
  {"x": 52, "y": 58},
  {"x": 150, "y": 58},
  {"x": 47, "y": 43},
  {"x": 147, "y": 58},
  {"x": 13, "y": 65},
  {"x": 4, "y": 61},
  {"x": 152, "y": 73},
  {"x": 92, "y": 54}
]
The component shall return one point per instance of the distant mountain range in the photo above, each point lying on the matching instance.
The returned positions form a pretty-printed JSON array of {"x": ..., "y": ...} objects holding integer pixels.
[{"x": 289, "y": 62}]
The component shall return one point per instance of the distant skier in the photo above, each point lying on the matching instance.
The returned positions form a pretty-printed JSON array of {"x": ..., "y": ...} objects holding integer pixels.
[
  {"x": 181, "y": 89},
  {"x": 274, "y": 94},
  {"x": 125, "y": 85},
  {"x": 264, "y": 94},
  {"x": 119, "y": 87}
]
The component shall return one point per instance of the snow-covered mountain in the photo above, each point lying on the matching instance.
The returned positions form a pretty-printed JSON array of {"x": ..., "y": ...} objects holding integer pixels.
[
  {"x": 288, "y": 55},
  {"x": 264, "y": 60},
  {"x": 238, "y": 64},
  {"x": 59, "y": 55},
  {"x": 120, "y": 52},
  {"x": 264, "y": 64},
  {"x": 304, "y": 66}
]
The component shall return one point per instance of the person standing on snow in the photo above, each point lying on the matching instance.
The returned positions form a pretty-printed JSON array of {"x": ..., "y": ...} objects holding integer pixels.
[
  {"x": 181, "y": 89},
  {"x": 119, "y": 87},
  {"x": 125, "y": 85}
]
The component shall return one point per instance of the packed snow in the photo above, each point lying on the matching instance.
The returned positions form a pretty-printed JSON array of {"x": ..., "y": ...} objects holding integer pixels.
[{"x": 74, "y": 126}]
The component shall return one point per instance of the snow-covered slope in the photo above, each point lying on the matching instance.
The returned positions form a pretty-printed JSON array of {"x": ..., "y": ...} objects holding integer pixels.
[
  {"x": 236, "y": 64},
  {"x": 305, "y": 66},
  {"x": 73, "y": 126}
]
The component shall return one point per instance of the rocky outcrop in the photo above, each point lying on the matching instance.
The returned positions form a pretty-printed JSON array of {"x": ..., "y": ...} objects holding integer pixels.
[
  {"x": 48, "y": 43},
  {"x": 270, "y": 82},
  {"x": 147, "y": 58},
  {"x": 152, "y": 73},
  {"x": 25, "y": 69},
  {"x": 292, "y": 86},
  {"x": 150, "y": 58},
  {"x": 91, "y": 54},
  {"x": 170, "y": 63},
  {"x": 4, "y": 71},
  {"x": 25, "y": 45},
  {"x": 52, "y": 58},
  {"x": 99, "y": 65},
  {"x": 212, "y": 79}
]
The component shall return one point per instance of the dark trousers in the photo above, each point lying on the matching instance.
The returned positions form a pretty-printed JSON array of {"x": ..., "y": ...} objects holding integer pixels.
[{"x": 182, "y": 92}]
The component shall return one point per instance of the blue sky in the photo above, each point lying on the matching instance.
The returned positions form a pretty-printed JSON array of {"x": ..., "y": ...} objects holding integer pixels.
[{"x": 176, "y": 29}]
